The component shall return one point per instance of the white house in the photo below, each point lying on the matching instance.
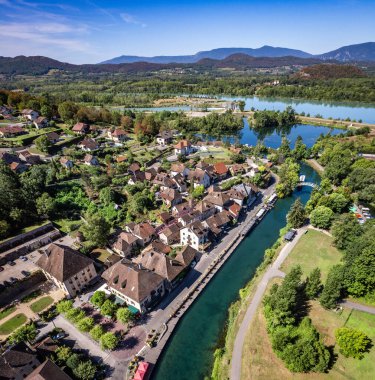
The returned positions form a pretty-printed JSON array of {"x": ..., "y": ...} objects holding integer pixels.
[
  {"x": 183, "y": 147},
  {"x": 195, "y": 235},
  {"x": 164, "y": 138},
  {"x": 30, "y": 114},
  {"x": 199, "y": 177}
]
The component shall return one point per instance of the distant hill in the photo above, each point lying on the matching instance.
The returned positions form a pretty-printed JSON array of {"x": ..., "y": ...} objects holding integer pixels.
[
  {"x": 221, "y": 53},
  {"x": 330, "y": 71},
  {"x": 359, "y": 52},
  {"x": 38, "y": 65}
]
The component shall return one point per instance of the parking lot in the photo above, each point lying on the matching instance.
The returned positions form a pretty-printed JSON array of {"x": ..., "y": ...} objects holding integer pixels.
[{"x": 27, "y": 266}]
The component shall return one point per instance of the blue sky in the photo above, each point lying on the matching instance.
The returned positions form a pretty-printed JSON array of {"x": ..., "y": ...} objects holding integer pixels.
[{"x": 90, "y": 31}]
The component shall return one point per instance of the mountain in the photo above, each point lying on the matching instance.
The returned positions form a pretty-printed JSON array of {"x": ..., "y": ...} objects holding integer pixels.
[
  {"x": 359, "y": 52},
  {"x": 38, "y": 65},
  {"x": 221, "y": 53}
]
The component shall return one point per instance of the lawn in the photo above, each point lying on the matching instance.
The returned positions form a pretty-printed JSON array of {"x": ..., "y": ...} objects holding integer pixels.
[
  {"x": 9, "y": 310},
  {"x": 41, "y": 304},
  {"x": 67, "y": 225},
  {"x": 259, "y": 361},
  {"x": 12, "y": 324},
  {"x": 314, "y": 249},
  {"x": 100, "y": 254}
]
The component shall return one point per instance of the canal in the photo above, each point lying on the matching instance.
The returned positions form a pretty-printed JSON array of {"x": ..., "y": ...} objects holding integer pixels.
[{"x": 189, "y": 353}]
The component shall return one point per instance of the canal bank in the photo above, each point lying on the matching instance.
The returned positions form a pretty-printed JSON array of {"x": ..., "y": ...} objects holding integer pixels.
[{"x": 189, "y": 352}]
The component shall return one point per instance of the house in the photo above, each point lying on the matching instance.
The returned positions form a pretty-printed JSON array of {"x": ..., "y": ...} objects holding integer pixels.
[
  {"x": 158, "y": 246},
  {"x": 90, "y": 160},
  {"x": 180, "y": 183},
  {"x": 67, "y": 268},
  {"x": 164, "y": 138},
  {"x": 236, "y": 169},
  {"x": 41, "y": 122},
  {"x": 163, "y": 265},
  {"x": 234, "y": 210},
  {"x": 11, "y": 131},
  {"x": 171, "y": 234},
  {"x": 137, "y": 286},
  {"x": 187, "y": 255},
  {"x": 118, "y": 135},
  {"x": 5, "y": 111},
  {"x": 31, "y": 159},
  {"x": 134, "y": 167},
  {"x": 164, "y": 181},
  {"x": 48, "y": 371},
  {"x": 30, "y": 114},
  {"x": 18, "y": 361},
  {"x": 191, "y": 217},
  {"x": 81, "y": 128},
  {"x": 88, "y": 145},
  {"x": 18, "y": 167},
  {"x": 205, "y": 209},
  {"x": 53, "y": 137},
  {"x": 170, "y": 197},
  {"x": 183, "y": 147},
  {"x": 217, "y": 223},
  {"x": 66, "y": 162},
  {"x": 236, "y": 196},
  {"x": 218, "y": 199},
  {"x": 143, "y": 231},
  {"x": 195, "y": 235},
  {"x": 178, "y": 168},
  {"x": 125, "y": 244},
  {"x": 183, "y": 208},
  {"x": 221, "y": 170},
  {"x": 248, "y": 190},
  {"x": 8, "y": 157},
  {"x": 199, "y": 177}
]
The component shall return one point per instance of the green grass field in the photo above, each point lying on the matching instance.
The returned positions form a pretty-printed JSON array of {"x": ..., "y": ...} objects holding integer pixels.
[
  {"x": 9, "y": 310},
  {"x": 41, "y": 304},
  {"x": 314, "y": 249},
  {"x": 12, "y": 324}
]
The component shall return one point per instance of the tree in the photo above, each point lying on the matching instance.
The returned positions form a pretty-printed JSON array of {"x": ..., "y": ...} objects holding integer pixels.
[
  {"x": 43, "y": 143},
  {"x": 67, "y": 111},
  {"x": 289, "y": 178},
  {"x": 63, "y": 353},
  {"x": 300, "y": 150},
  {"x": 333, "y": 287},
  {"x": 86, "y": 324},
  {"x": 4, "y": 228},
  {"x": 64, "y": 306},
  {"x": 96, "y": 332},
  {"x": 98, "y": 298},
  {"x": 108, "y": 308},
  {"x": 241, "y": 105},
  {"x": 75, "y": 315},
  {"x": 297, "y": 215},
  {"x": 25, "y": 333},
  {"x": 45, "y": 205},
  {"x": 313, "y": 285},
  {"x": 106, "y": 195},
  {"x": 46, "y": 111},
  {"x": 96, "y": 229},
  {"x": 345, "y": 230},
  {"x": 124, "y": 315},
  {"x": 338, "y": 165},
  {"x": 321, "y": 217},
  {"x": 198, "y": 192},
  {"x": 85, "y": 370},
  {"x": 352, "y": 342},
  {"x": 73, "y": 361},
  {"x": 108, "y": 341}
]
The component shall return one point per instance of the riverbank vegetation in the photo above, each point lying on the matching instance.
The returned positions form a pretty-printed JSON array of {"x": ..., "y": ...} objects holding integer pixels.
[{"x": 273, "y": 119}]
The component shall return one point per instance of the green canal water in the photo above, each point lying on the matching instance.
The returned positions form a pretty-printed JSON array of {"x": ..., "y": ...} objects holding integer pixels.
[{"x": 189, "y": 353}]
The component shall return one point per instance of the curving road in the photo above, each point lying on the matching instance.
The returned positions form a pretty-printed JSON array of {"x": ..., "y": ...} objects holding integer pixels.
[{"x": 272, "y": 271}]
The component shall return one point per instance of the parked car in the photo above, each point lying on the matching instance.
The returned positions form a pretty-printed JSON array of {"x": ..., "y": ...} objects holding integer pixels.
[
  {"x": 11, "y": 263},
  {"x": 25, "y": 273},
  {"x": 59, "y": 335},
  {"x": 7, "y": 283},
  {"x": 12, "y": 280},
  {"x": 23, "y": 258}
]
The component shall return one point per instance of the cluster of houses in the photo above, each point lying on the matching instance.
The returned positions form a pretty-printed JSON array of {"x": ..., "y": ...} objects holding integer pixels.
[{"x": 20, "y": 161}]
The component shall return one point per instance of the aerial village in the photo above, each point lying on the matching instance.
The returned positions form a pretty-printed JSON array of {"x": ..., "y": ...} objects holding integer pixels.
[{"x": 107, "y": 298}]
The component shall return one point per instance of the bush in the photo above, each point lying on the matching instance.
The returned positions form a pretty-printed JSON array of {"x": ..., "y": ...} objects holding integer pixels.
[
  {"x": 353, "y": 343},
  {"x": 85, "y": 370}
]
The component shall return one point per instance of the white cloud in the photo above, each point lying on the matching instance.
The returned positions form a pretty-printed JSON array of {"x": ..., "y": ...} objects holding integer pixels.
[{"x": 130, "y": 19}]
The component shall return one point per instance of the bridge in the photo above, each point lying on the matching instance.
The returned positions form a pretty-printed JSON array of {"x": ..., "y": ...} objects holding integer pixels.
[{"x": 310, "y": 184}]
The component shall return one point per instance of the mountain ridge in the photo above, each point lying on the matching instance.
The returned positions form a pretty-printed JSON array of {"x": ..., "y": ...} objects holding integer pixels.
[{"x": 356, "y": 52}]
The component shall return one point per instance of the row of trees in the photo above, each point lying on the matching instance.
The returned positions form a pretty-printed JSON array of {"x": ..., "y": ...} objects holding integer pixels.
[{"x": 273, "y": 119}]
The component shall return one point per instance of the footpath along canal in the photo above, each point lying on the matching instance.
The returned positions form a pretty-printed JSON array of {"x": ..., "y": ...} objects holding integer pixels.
[{"x": 189, "y": 353}]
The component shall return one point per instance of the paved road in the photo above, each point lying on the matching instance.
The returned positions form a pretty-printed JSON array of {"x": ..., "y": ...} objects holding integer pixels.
[
  {"x": 273, "y": 271},
  {"x": 358, "y": 306}
]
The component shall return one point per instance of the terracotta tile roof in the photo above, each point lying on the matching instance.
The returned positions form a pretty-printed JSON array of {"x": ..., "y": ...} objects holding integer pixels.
[
  {"x": 158, "y": 246},
  {"x": 220, "y": 168},
  {"x": 132, "y": 280},
  {"x": 186, "y": 255},
  {"x": 118, "y": 132},
  {"x": 89, "y": 144},
  {"x": 178, "y": 168},
  {"x": 182, "y": 144},
  {"x": 62, "y": 262},
  {"x": 217, "y": 198},
  {"x": 142, "y": 230},
  {"x": 80, "y": 127},
  {"x": 170, "y": 195}
]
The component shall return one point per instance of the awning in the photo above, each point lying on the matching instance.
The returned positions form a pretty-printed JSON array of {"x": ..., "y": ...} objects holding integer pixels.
[{"x": 141, "y": 371}]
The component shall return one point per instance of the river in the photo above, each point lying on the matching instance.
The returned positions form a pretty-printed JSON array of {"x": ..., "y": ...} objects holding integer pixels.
[
  {"x": 352, "y": 110},
  {"x": 189, "y": 353}
]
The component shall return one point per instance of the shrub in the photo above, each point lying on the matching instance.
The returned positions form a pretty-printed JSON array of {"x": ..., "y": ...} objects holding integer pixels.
[
  {"x": 64, "y": 306},
  {"x": 108, "y": 341},
  {"x": 85, "y": 324},
  {"x": 353, "y": 343},
  {"x": 96, "y": 332}
]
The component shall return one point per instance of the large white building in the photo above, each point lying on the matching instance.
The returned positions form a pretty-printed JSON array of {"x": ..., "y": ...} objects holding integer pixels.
[{"x": 195, "y": 235}]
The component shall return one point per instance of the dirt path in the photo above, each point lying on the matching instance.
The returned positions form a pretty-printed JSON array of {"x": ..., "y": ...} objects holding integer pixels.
[{"x": 273, "y": 271}]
